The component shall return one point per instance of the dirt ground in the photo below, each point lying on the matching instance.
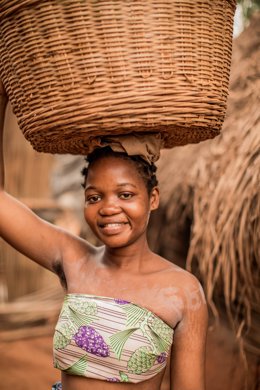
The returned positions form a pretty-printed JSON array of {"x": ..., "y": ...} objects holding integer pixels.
[{"x": 27, "y": 364}]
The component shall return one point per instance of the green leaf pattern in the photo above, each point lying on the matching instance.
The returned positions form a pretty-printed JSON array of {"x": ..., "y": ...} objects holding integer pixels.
[
  {"x": 79, "y": 367},
  {"x": 83, "y": 314},
  {"x": 63, "y": 335},
  {"x": 141, "y": 360},
  {"x": 159, "y": 335},
  {"x": 118, "y": 340},
  {"x": 87, "y": 309},
  {"x": 134, "y": 314},
  {"x": 123, "y": 376},
  {"x": 163, "y": 331}
]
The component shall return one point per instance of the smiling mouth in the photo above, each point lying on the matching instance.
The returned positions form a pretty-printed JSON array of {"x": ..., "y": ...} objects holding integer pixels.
[
  {"x": 113, "y": 227},
  {"x": 112, "y": 224}
]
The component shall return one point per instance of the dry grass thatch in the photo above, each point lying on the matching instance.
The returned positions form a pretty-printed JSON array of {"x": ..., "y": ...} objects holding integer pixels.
[
  {"x": 226, "y": 207},
  {"x": 225, "y": 239},
  {"x": 217, "y": 186}
]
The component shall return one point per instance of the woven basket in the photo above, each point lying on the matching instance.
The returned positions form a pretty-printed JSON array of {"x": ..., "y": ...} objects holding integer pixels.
[{"x": 77, "y": 69}]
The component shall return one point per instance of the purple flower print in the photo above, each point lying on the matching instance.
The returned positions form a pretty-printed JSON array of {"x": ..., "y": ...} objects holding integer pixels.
[
  {"x": 121, "y": 301},
  {"x": 161, "y": 358},
  {"x": 91, "y": 341},
  {"x": 113, "y": 380}
]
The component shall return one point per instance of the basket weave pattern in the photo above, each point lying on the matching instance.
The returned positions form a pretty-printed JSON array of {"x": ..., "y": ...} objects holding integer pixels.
[{"x": 79, "y": 69}]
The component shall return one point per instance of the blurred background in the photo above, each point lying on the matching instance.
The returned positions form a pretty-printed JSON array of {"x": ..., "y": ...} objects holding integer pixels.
[{"x": 208, "y": 222}]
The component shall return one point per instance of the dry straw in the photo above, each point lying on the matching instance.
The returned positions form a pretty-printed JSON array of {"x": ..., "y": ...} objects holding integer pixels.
[
  {"x": 219, "y": 190},
  {"x": 76, "y": 69},
  {"x": 220, "y": 193},
  {"x": 226, "y": 206},
  {"x": 226, "y": 215}
]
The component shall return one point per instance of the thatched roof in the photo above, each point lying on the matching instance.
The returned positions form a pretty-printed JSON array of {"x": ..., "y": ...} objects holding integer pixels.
[{"x": 215, "y": 187}]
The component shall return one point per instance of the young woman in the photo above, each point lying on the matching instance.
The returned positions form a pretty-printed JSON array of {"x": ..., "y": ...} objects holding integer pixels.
[{"x": 128, "y": 314}]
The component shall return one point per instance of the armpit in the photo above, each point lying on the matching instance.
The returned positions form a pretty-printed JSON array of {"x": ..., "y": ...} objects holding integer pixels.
[{"x": 58, "y": 269}]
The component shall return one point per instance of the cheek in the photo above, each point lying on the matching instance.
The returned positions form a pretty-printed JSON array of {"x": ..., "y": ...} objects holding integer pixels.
[
  {"x": 88, "y": 214},
  {"x": 140, "y": 212}
]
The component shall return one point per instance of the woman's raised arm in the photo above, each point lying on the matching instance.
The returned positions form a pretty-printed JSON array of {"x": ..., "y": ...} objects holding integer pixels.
[
  {"x": 20, "y": 227},
  {"x": 188, "y": 351}
]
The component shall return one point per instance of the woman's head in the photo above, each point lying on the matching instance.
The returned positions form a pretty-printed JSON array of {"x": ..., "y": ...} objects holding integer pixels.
[
  {"x": 120, "y": 192},
  {"x": 146, "y": 171}
]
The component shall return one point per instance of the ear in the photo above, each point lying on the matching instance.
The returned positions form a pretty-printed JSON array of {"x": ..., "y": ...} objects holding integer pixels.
[{"x": 154, "y": 199}]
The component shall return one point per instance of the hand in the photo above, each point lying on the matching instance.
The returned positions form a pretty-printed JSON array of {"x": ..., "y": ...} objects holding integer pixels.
[
  {"x": 3, "y": 95},
  {"x": 3, "y": 101}
]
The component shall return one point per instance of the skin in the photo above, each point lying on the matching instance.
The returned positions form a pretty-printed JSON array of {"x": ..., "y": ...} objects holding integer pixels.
[{"x": 117, "y": 209}]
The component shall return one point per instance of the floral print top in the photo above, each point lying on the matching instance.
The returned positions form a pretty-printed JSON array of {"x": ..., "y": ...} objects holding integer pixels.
[{"x": 110, "y": 339}]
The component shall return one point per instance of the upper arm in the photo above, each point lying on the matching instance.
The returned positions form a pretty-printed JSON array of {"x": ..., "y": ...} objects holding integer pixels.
[
  {"x": 25, "y": 231},
  {"x": 188, "y": 351}
]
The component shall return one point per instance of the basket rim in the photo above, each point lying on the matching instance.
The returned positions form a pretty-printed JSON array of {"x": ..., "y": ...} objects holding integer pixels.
[{"x": 9, "y": 6}]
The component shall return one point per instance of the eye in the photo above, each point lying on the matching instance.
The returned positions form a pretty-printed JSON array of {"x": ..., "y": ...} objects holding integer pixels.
[
  {"x": 126, "y": 195},
  {"x": 93, "y": 198}
]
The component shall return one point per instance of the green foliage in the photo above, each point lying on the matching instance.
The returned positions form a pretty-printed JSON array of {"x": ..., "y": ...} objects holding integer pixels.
[{"x": 248, "y": 8}]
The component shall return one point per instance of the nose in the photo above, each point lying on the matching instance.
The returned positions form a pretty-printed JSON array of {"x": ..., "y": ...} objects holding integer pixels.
[{"x": 109, "y": 207}]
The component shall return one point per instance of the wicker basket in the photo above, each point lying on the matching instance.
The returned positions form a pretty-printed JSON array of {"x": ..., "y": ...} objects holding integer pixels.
[{"x": 77, "y": 69}]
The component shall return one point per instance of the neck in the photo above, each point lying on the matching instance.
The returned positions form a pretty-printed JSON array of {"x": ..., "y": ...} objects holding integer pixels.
[{"x": 130, "y": 258}]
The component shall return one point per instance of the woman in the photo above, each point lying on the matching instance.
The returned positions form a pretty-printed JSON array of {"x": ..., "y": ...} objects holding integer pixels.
[{"x": 127, "y": 313}]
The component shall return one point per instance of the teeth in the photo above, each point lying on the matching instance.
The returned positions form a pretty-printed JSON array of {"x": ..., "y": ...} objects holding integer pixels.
[{"x": 113, "y": 224}]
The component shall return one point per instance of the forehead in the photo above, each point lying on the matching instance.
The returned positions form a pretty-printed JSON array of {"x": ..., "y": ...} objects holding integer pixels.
[{"x": 114, "y": 169}]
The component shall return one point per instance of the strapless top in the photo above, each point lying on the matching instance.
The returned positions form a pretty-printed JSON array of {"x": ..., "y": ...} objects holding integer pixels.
[{"x": 110, "y": 339}]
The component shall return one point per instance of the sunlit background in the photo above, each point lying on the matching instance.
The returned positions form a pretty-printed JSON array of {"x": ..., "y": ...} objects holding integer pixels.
[{"x": 208, "y": 221}]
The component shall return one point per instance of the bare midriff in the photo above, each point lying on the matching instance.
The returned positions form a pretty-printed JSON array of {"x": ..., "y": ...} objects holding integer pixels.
[{"x": 70, "y": 382}]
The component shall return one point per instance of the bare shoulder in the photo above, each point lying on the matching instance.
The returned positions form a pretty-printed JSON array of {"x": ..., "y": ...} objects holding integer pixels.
[
  {"x": 191, "y": 299},
  {"x": 183, "y": 284},
  {"x": 178, "y": 276},
  {"x": 185, "y": 279},
  {"x": 189, "y": 288},
  {"x": 190, "y": 291}
]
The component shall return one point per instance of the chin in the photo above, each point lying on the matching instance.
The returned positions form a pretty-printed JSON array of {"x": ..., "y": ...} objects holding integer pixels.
[
  {"x": 114, "y": 244},
  {"x": 118, "y": 242}
]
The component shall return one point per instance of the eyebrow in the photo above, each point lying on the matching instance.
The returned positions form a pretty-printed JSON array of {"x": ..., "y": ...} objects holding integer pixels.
[
  {"x": 126, "y": 184},
  {"x": 90, "y": 187}
]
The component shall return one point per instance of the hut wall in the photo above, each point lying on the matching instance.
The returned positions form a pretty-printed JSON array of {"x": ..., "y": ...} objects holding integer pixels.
[{"x": 27, "y": 176}]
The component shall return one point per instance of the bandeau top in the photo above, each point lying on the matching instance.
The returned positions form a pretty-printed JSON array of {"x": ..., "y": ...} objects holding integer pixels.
[{"x": 110, "y": 339}]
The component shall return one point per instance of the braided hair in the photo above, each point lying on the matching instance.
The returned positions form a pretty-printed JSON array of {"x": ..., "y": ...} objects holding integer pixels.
[{"x": 146, "y": 171}]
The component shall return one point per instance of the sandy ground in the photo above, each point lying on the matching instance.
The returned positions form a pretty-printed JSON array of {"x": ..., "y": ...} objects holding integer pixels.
[{"x": 27, "y": 364}]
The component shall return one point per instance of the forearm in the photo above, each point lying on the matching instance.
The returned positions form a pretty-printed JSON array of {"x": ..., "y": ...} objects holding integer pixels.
[{"x": 3, "y": 101}]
